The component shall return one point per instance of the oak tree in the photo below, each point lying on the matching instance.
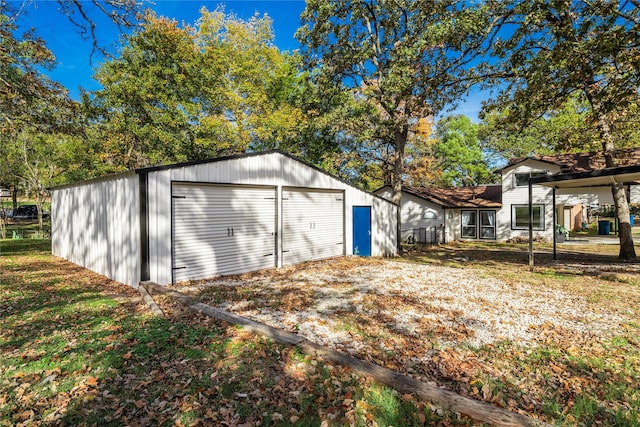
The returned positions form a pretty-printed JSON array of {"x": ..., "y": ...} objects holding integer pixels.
[
  {"x": 406, "y": 60},
  {"x": 548, "y": 51},
  {"x": 178, "y": 93}
]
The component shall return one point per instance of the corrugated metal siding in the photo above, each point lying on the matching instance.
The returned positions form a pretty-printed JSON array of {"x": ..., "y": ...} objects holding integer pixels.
[
  {"x": 222, "y": 230},
  {"x": 384, "y": 214},
  {"x": 159, "y": 210},
  {"x": 96, "y": 225},
  {"x": 313, "y": 225},
  {"x": 271, "y": 169}
]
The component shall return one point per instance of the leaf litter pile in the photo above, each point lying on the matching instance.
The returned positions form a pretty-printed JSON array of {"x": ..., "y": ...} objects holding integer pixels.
[
  {"x": 77, "y": 349},
  {"x": 561, "y": 347}
]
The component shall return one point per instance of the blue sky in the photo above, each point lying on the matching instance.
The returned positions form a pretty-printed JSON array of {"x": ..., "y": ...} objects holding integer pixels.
[{"x": 74, "y": 69}]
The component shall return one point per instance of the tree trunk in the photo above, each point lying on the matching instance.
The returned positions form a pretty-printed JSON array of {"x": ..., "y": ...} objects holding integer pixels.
[
  {"x": 3, "y": 223},
  {"x": 627, "y": 250},
  {"x": 40, "y": 205},
  {"x": 398, "y": 168},
  {"x": 14, "y": 198}
]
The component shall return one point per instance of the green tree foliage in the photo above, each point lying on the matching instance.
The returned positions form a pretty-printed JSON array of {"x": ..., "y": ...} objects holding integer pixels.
[
  {"x": 548, "y": 51},
  {"x": 150, "y": 108},
  {"x": 46, "y": 160},
  {"x": 405, "y": 60},
  {"x": 562, "y": 130},
  {"x": 32, "y": 108},
  {"x": 182, "y": 93},
  {"x": 26, "y": 94},
  {"x": 261, "y": 87},
  {"x": 461, "y": 157},
  {"x": 41, "y": 142}
]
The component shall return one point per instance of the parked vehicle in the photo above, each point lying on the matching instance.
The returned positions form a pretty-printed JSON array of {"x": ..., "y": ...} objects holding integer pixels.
[
  {"x": 6, "y": 213},
  {"x": 4, "y": 192},
  {"x": 28, "y": 212}
]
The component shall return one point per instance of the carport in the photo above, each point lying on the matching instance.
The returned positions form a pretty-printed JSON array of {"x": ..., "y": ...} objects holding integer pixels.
[{"x": 592, "y": 179}]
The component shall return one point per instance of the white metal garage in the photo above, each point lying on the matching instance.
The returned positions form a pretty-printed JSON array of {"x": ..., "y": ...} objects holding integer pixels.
[
  {"x": 222, "y": 216},
  {"x": 222, "y": 229},
  {"x": 313, "y": 225}
]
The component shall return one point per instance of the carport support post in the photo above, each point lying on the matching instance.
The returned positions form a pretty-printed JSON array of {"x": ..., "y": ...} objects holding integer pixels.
[
  {"x": 530, "y": 225},
  {"x": 555, "y": 220}
]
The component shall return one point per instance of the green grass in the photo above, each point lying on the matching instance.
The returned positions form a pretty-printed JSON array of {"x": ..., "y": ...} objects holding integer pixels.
[
  {"x": 77, "y": 349},
  {"x": 9, "y": 247},
  {"x": 26, "y": 229}
]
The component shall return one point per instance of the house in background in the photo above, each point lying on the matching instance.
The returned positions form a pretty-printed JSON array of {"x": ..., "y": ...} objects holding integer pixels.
[
  {"x": 501, "y": 212},
  {"x": 432, "y": 215}
]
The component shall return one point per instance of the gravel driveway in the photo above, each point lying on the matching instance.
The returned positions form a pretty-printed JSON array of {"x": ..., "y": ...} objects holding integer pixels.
[
  {"x": 478, "y": 323},
  {"x": 355, "y": 304}
]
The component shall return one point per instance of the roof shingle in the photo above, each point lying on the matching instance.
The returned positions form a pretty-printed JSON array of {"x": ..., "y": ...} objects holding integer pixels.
[
  {"x": 584, "y": 162},
  {"x": 483, "y": 196}
]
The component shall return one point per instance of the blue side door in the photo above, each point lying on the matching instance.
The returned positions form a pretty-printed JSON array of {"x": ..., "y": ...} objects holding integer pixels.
[{"x": 362, "y": 230}]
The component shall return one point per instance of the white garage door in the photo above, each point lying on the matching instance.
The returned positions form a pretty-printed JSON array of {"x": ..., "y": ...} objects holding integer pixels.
[
  {"x": 222, "y": 229},
  {"x": 313, "y": 225}
]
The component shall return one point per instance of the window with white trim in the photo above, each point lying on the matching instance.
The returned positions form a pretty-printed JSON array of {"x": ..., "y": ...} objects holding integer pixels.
[
  {"x": 469, "y": 224},
  {"x": 488, "y": 225},
  {"x": 520, "y": 217}
]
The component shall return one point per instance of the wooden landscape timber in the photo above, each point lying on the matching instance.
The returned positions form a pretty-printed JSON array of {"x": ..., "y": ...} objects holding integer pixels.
[
  {"x": 445, "y": 398},
  {"x": 155, "y": 308}
]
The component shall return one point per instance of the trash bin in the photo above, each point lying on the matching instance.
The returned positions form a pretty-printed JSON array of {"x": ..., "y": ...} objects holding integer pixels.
[
  {"x": 631, "y": 220},
  {"x": 604, "y": 228}
]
